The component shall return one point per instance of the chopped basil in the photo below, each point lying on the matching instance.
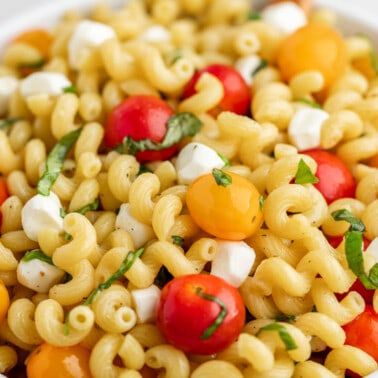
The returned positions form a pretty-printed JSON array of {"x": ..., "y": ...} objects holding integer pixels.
[
  {"x": 309, "y": 102},
  {"x": 254, "y": 16},
  {"x": 347, "y": 216},
  {"x": 304, "y": 174},
  {"x": 70, "y": 89},
  {"x": 219, "y": 319},
  {"x": 8, "y": 122},
  {"x": 37, "y": 254},
  {"x": 262, "y": 64},
  {"x": 54, "y": 162},
  {"x": 177, "y": 240},
  {"x": 82, "y": 210},
  {"x": 126, "y": 264},
  {"x": 173, "y": 56},
  {"x": 225, "y": 160},
  {"x": 33, "y": 65},
  {"x": 143, "y": 169},
  {"x": 221, "y": 178},
  {"x": 261, "y": 203},
  {"x": 179, "y": 126},
  {"x": 285, "y": 318},
  {"x": 283, "y": 333}
]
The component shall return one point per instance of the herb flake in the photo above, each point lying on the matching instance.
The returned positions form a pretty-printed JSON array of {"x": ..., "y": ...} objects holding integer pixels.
[
  {"x": 304, "y": 174},
  {"x": 221, "y": 178}
]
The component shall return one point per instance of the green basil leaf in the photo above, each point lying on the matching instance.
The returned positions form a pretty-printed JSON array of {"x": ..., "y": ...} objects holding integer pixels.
[
  {"x": 177, "y": 240},
  {"x": 70, "y": 89},
  {"x": 304, "y": 174},
  {"x": 225, "y": 160},
  {"x": 261, "y": 203},
  {"x": 309, "y": 102},
  {"x": 179, "y": 126},
  {"x": 221, "y": 178},
  {"x": 252, "y": 16},
  {"x": 90, "y": 207},
  {"x": 347, "y": 216},
  {"x": 55, "y": 160},
  {"x": 262, "y": 64},
  {"x": 283, "y": 333},
  {"x": 8, "y": 122},
  {"x": 37, "y": 254},
  {"x": 126, "y": 264},
  {"x": 33, "y": 65}
]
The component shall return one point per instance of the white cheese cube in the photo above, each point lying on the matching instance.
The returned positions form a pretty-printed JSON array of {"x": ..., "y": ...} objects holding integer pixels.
[
  {"x": 50, "y": 83},
  {"x": 8, "y": 84},
  {"x": 305, "y": 127},
  {"x": 233, "y": 261},
  {"x": 140, "y": 233},
  {"x": 41, "y": 212},
  {"x": 87, "y": 35},
  {"x": 286, "y": 16},
  {"x": 246, "y": 65},
  {"x": 38, "y": 275},
  {"x": 155, "y": 33},
  {"x": 374, "y": 374},
  {"x": 145, "y": 302},
  {"x": 194, "y": 160}
]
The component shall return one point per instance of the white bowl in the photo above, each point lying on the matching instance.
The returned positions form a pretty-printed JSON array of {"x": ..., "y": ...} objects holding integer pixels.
[{"x": 17, "y": 15}]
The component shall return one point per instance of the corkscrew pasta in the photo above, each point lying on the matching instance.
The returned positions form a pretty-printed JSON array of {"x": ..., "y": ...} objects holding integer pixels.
[{"x": 117, "y": 227}]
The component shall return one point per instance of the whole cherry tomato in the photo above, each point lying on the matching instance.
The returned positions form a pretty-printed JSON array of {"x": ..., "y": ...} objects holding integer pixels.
[
  {"x": 313, "y": 47},
  {"x": 58, "y": 362},
  {"x": 362, "y": 332},
  {"x": 335, "y": 179},
  {"x": 357, "y": 286},
  {"x": 230, "y": 210},
  {"x": 140, "y": 117},
  {"x": 3, "y": 193},
  {"x": 4, "y": 301},
  {"x": 200, "y": 313},
  {"x": 236, "y": 96}
]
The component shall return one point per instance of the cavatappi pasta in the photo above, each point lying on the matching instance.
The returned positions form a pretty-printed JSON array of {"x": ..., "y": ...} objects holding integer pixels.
[{"x": 109, "y": 204}]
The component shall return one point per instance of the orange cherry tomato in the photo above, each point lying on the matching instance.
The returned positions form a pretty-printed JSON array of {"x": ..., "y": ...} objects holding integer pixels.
[
  {"x": 4, "y": 301},
  {"x": 365, "y": 66},
  {"x": 230, "y": 212},
  {"x": 313, "y": 47},
  {"x": 41, "y": 39},
  {"x": 58, "y": 362}
]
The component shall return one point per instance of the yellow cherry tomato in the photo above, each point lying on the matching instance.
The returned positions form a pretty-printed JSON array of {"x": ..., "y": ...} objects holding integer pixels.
[
  {"x": 4, "y": 301},
  {"x": 313, "y": 47},
  {"x": 366, "y": 67},
  {"x": 41, "y": 39},
  {"x": 58, "y": 362},
  {"x": 231, "y": 211}
]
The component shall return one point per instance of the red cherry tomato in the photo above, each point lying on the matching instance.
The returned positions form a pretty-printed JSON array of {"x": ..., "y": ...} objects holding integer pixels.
[
  {"x": 357, "y": 286},
  {"x": 184, "y": 315},
  {"x": 58, "y": 362},
  {"x": 3, "y": 193},
  {"x": 362, "y": 332},
  {"x": 236, "y": 96},
  {"x": 140, "y": 117},
  {"x": 335, "y": 179}
]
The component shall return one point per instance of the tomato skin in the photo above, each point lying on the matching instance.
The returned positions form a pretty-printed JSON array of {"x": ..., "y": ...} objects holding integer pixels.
[
  {"x": 313, "y": 47},
  {"x": 362, "y": 332},
  {"x": 141, "y": 117},
  {"x": 335, "y": 179},
  {"x": 58, "y": 362},
  {"x": 232, "y": 212},
  {"x": 236, "y": 97},
  {"x": 4, "y": 194},
  {"x": 4, "y": 301},
  {"x": 183, "y": 316}
]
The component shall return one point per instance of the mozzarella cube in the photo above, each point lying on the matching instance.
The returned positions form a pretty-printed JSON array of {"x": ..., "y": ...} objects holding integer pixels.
[
  {"x": 233, "y": 261},
  {"x": 140, "y": 233},
  {"x": 374, "y": 374},
  {"x": 41, "y": 212},
  {"x": 195, "y": 160},
  {"x": 145, "y": 303},
  {"x": 8, "y": 85},
  {"x": 286, "y": 16},
  {"x": 305, "y": 127},
  {"x": 87, "y": 35},
  {"x": 38, "y": 275},
  {"x": 247, "y": 65},
  {"x": 155, "y": 33},
  {"x": 50, "y": 83}
]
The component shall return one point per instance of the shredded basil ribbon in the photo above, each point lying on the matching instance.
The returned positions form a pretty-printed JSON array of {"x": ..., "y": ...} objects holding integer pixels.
[
  {"x": 37, "y": 254},
  {"x": 70, "y": 89},
  {"x": 177, "y": 240},
  {"x": 55, "y": 160},
  {"x": 179, "y": 126},
  {"x": 354, "y": 248},
  {"x": 219, "y": 319},
  {"x": 309, "y": 102},
  {"x": 8, "y": 122},
  {"x": 33, "y": 65},
  {"x": 84, "y": 209},
  {"x": 126, "y": 264},
  {"x": 304, "y": 174},
  {"x": 260, "y": 66},
  {"x": 283, "y": 333},
  {"x": 221, "y": 178}
]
